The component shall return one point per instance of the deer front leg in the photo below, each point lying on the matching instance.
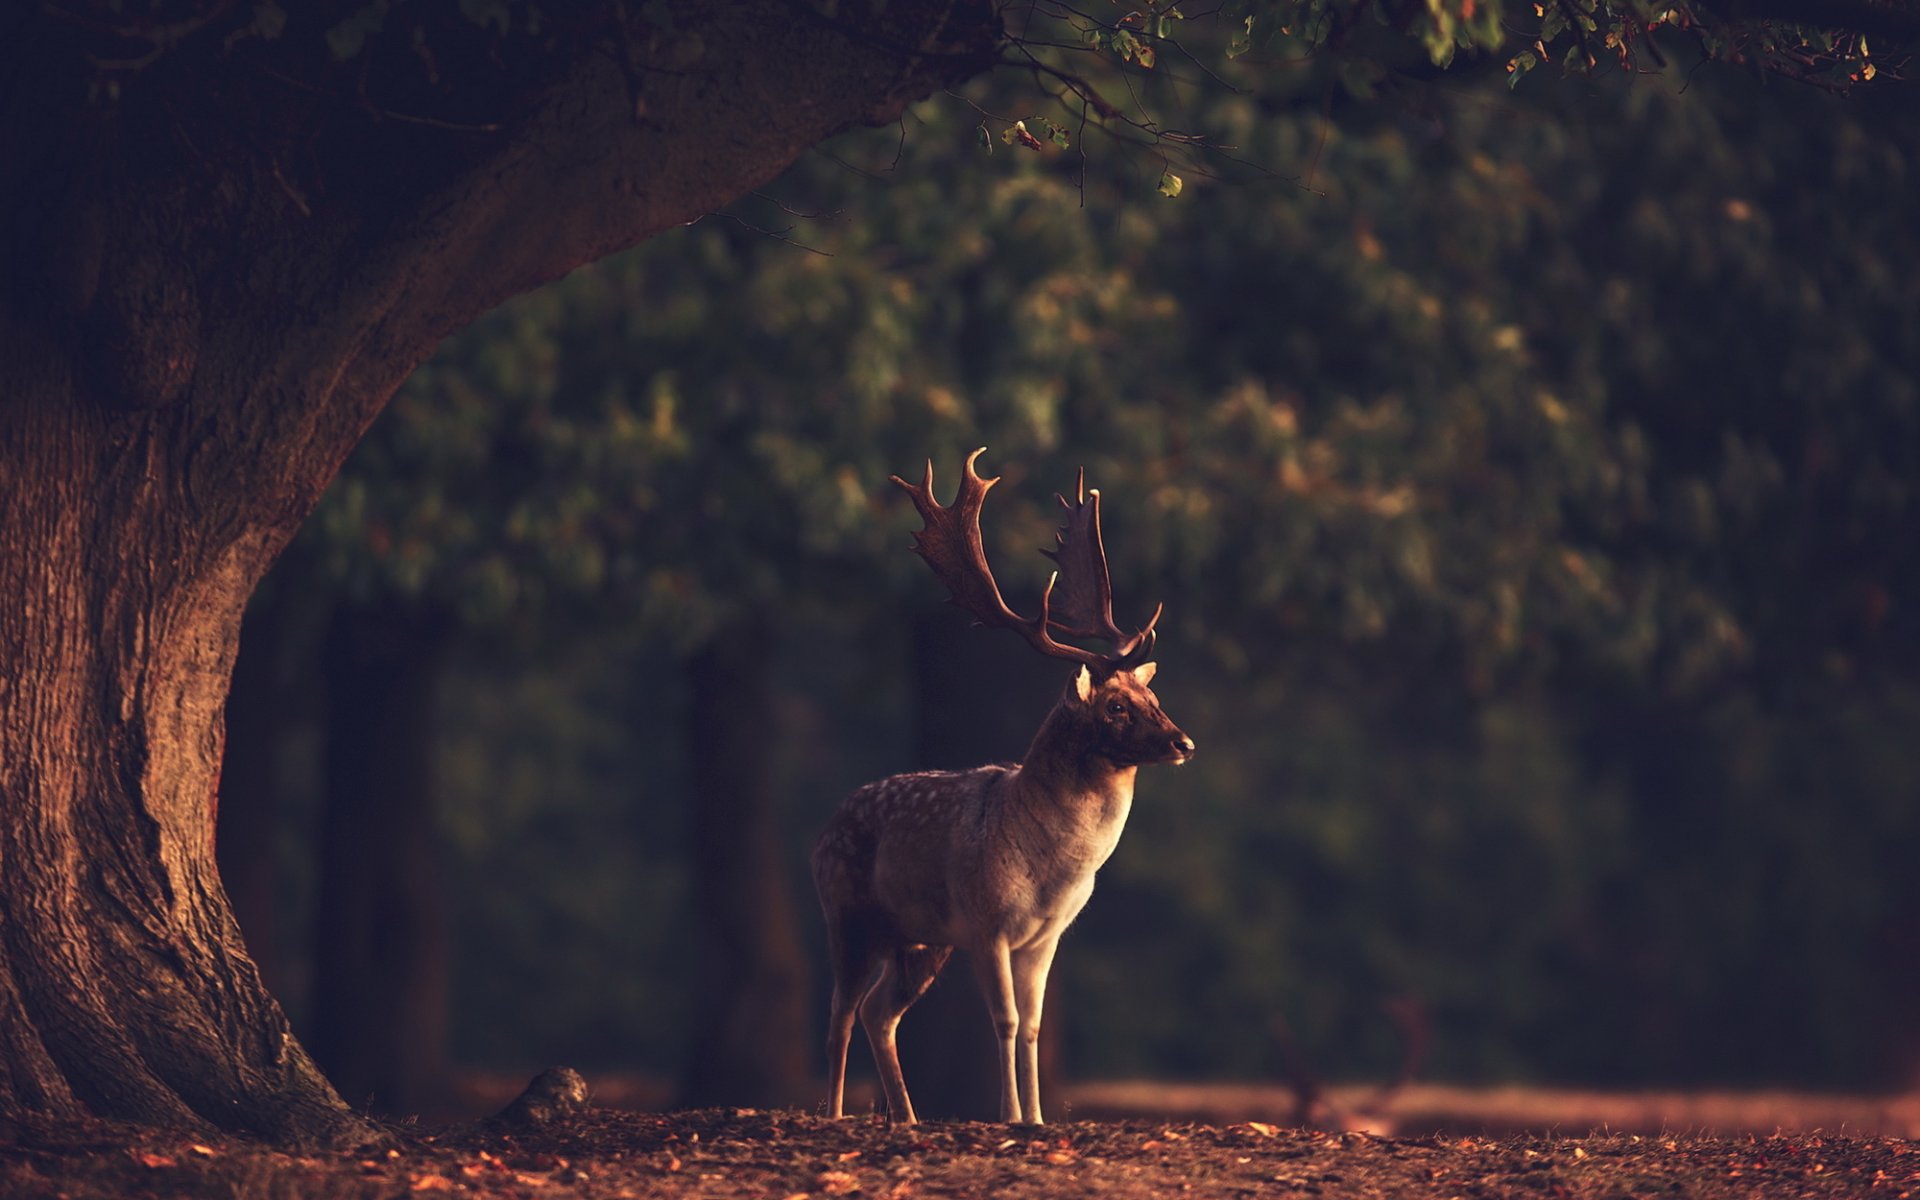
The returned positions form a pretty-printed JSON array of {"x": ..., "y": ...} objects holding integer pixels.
[
  {"x": 993, "y": 968},
  {"x": 1030, "y": 967}
]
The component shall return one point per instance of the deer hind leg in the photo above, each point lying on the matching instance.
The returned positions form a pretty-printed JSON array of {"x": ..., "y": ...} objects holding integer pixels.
[
  {"x": 853, "y": 971},
  {"x": 1030, "y": 967},
  {"x": 904, "y": 979}
]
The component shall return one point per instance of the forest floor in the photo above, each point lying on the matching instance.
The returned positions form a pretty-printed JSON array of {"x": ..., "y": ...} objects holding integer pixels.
[{"x": 785, "y": 1155}]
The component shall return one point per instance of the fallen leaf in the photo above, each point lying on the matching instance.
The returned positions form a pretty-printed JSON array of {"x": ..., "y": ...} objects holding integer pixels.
[
  {"x": 850, "y": 1156},
  {"x": 1060, "y": 1158},
  {"x": 536, "y": 1161},
  {"x": 431, "y": 1183},
  {"x": 203, "y": 1151},
  {"x": 1262, "y": 1128},
  {"x": 837, "y": 1183},
  {"x": 146, "y": 1159}
]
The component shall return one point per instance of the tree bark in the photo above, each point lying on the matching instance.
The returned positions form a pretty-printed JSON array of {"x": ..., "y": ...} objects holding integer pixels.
[
  {"x": 381, "y": 969},
  {"x": 220, "y": 253},
  {"x": 753, "y": 1043},
  {"x": 125, "y": 988}
]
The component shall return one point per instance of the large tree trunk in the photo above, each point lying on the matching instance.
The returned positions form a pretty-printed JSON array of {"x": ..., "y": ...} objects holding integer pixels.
[
  {"x": 125, "y": 989},
  {"x": 220, "y": 253},
  {"x": 753, "y": 1043},
  {"x": 381, "y": 959}
]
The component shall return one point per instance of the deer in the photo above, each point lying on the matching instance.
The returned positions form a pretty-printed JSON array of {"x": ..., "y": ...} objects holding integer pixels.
[{"x": 1000, "y": 859}]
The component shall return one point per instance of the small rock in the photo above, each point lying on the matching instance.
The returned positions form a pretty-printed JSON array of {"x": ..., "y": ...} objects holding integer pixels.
[{"x": 555, "y": 1094}]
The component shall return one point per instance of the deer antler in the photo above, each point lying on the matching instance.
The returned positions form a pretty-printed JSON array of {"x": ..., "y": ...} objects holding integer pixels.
[
  {"x": 952, "y": 546},
  {"x": 1084, "y": 605}
]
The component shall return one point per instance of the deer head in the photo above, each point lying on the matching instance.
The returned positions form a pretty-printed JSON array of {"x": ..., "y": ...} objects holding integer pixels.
[{"x": 952, "y": 546}]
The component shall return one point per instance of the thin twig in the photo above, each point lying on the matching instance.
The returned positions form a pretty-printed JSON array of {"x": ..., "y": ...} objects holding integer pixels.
[
  {"x": 778, "y": 235},
  {"x": 1085, "y": 90},
  {"x": 788, "y": 209}
]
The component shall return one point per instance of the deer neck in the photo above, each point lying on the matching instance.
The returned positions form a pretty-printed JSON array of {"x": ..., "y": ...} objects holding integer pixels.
[{"x": 1063, "y": 766}]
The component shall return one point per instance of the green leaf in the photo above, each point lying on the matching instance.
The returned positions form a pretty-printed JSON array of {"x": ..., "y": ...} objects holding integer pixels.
[
  {"x": 1242, "y": 40},
  {"x": 1519, "y": 65},
  {"x": 350, "y": 34},
  {"x": 1170, "y": 184},
  {"x": 984, "y": 136},
  {"x": 1554, "y": 23},
  {"x": 1438, "y": 36}
]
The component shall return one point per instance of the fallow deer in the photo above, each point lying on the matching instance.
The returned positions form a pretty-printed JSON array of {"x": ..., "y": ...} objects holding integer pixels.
[{"x": 997, "y": 860}]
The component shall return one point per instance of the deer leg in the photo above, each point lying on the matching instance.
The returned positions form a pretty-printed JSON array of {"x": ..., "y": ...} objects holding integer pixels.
[
  {"x": 853, "y": 968},
  {"x": 1030, "y": 967},
  {"x": 839, "y": 1037},
  {"x": 903, "y": 980},
  {"x": 993, "y": 968}
]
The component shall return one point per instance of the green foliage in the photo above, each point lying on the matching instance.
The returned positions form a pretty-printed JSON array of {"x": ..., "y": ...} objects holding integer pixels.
[
  {"x": 1524, "y": 486},
  {"x": 561, "y": 841},
  {"x": 1369, "y": 42},
  {"x": 348, "y": 36}
]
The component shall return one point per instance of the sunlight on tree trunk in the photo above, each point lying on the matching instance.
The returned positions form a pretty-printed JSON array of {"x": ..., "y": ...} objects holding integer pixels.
[{"x": 125, "y": 990}]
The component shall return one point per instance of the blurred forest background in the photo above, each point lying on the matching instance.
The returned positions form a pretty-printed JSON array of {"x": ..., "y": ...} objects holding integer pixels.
[{"x": 1530, "y": 480}]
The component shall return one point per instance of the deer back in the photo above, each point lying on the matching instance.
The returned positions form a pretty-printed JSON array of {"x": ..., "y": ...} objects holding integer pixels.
[{"x": 895, "y": 848}]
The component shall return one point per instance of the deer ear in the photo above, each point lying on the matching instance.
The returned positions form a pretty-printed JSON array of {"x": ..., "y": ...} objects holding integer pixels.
[
  {"x": 1083, "y": 685},
  {"x": 1144, "y": 673}
]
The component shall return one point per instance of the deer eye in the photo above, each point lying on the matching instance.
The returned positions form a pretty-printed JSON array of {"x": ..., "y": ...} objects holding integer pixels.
[{"x": 1116, "y": 708}]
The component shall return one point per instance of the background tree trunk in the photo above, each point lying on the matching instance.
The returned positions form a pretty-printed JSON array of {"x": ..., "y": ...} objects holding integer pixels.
[
  {"x": 381, "y": 953},
  {"x": 753, "y": 1043}
]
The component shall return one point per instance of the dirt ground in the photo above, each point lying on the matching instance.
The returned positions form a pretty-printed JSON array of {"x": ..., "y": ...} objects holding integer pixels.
[{"x": 789, "y": 1155}]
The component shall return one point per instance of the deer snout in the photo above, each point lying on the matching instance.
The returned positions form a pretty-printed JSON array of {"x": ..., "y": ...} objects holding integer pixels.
[{"x": 1180, "y": 747}]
